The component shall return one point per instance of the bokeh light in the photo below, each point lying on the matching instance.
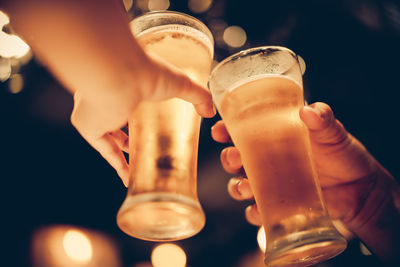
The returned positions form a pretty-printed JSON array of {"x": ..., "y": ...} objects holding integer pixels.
[
  {"x": 77, "y": 246},
  {"x": 12, "y": 46},
  {"x": 168, "y": 255},
  {"x": 262, "y": 243},
  {"x": 199, "y": 6},
  {"x": 142, "y": 5},
  {"x": 235, "y": 36},
  {"x": 4, "y": 19},
  {"x": 64, "y": 246},
  {"x": 16, "y": 83},
  {"x": 155, "y": 5},
  {"x": 5, "y": 69}
]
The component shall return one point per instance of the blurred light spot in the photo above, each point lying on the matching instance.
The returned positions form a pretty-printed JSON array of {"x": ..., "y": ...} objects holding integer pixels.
[
  {"x": 128, "y": 4},
  {"x": 4, "y": 19},
  {"x": 77, "y": 246},
  {"x": 199, "y": 6},
  {"x": 16, "y": 83},
  {"x": 364, "y": 250},
  {"x": 302, "y": 64},
  {"x": 235, "y": 36},
  {"x": 168, "y": 255},
  {"x": 143, "y": 5},
  {"x": 262, "y": 243},
  {"x": 5, "y": 69},
  {"x": 12, "y": 46},
  {"x": 155, "y": 5}
]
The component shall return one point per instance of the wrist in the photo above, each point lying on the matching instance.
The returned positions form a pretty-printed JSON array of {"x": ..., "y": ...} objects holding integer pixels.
[{"x": 377, "y": 223}]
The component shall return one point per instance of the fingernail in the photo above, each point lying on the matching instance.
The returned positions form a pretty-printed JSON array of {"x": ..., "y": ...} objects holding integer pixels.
[
  {"x": 235, "y": 185},
  {"x": 233, "y": 158}
]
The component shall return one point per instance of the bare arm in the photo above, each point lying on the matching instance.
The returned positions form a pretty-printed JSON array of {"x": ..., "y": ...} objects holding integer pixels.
[{"x": 89, "y": 48}]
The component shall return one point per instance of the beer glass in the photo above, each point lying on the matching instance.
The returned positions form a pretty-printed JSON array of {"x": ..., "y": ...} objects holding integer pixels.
[
  {"x": 162, "y": 202},
  {"x": 258, "y": 93}
]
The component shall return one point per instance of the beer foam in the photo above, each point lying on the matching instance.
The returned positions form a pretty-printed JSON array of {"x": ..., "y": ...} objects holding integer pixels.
[
  {"x": 259, "y": 77},
  {"x": 186, "y": 31}
]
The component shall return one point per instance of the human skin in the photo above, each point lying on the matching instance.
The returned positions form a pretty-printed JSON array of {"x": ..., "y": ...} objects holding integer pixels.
[
  {"x": 357, "y": 189},
  {"x": 89, "y": 48}
]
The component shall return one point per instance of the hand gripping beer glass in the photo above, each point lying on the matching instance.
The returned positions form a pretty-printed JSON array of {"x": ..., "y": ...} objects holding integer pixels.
[
  {"x": 258, "y": 93},
  {"x": 162, "y": 202}
]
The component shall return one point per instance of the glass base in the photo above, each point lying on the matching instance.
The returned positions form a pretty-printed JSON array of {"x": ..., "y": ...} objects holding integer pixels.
[
  {"x": 306, "y": 248},
  {"x": 160, "y": 217}
]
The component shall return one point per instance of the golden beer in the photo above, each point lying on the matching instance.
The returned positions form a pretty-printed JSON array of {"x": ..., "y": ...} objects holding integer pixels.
[
  {"x": 261, "y": 113},
  {"x": 162, "y": 202}
]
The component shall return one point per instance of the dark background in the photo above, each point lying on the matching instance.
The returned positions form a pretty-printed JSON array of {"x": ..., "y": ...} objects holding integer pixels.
[{"x": 50, "y": 175}]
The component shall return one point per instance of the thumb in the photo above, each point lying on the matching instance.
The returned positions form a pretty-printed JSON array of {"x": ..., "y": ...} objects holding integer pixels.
[
  {"x": 323, "y": 127},
  {"x": 173, "y": 82}
]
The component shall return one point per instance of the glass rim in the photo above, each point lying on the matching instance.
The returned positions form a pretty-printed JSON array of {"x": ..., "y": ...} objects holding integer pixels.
[
  {"x": 202, "y": 25},
  {"x": 252, "y": 51}
]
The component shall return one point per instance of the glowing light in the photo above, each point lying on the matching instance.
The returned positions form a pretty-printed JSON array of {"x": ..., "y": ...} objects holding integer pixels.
[
  {"x": 262, "y": 243},
  {"x": 235, "y": 36},
  {"x": 16, "y": 83},
  {"x": 364, "y": 250},
  {"x": 128, "y": 4},
  {"x": 155, "y": 5},
  {"x": 12, "y": 46},
  {"x": 4, "y": 19},
  {"x": 5, "y": 69},
  {"x": 199, "y": 6},
  {"x": 168, "y": 255},
  {"x": 77, "y": 246},
  {"x": 143, "y": 5}
]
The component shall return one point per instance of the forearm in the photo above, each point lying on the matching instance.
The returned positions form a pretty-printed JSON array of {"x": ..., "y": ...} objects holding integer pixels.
[
  {"x": 378, "y": 223},
  {"x": 87, "y": 44}
]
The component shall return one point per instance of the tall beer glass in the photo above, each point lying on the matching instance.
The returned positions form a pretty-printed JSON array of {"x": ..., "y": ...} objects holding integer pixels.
[
  {"x": 162, "y": 202},
  {"x": 258, "y": 93}
]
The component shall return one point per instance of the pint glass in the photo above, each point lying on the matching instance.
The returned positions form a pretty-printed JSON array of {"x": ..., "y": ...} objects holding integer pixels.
[
  {"x": 162, "y": 202},
  {"x": 258, "y": 93}
]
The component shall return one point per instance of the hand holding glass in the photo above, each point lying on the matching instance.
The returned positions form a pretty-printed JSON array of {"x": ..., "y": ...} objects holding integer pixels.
[
  {"x": 258, "y": 93},
  {"x": 162, "y": 202}
]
